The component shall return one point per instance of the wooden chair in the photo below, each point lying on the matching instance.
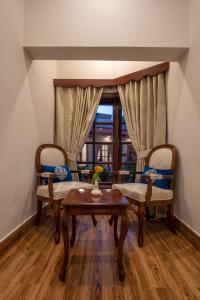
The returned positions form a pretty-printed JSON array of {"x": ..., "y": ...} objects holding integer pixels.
[
  {"x": 54, "y": 193},
  {"x": 145, "y": 195}
]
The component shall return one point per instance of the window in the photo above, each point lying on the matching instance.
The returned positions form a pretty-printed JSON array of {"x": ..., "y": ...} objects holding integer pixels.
[
  {"x": 128, "y": 154},
  {"x": 108, "y": 143}
]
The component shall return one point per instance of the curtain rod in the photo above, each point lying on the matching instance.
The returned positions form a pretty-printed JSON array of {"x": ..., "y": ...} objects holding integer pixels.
[{"x": 136, "y": 76}]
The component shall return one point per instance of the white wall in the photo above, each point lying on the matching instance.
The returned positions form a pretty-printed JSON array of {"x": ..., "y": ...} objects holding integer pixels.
[
  {"x": 126, "y": 30},
  {"x": 75, "y": 23},
  {"x": 26, "y": 112},
  {"x": 184, "y": 123},
  {"x": 98, "y": 69}
]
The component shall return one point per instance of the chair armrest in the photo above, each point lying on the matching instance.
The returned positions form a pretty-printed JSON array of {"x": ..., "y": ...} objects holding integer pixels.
[
  {"x": 45, "y": 174},
  {"x": 158, "y": 176},
  {"x": 50, "y": 182},
  {"x": 150, "y": 179}
]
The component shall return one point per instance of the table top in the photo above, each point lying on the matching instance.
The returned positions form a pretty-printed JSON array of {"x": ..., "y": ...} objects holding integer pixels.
[{"x": 83, "y": 197}]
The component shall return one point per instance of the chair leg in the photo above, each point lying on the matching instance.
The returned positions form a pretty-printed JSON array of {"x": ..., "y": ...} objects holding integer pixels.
[
  {"x": 171, "y": 217},
  {"x": 115, "y": 231},
  {"x": 56, "y": 208},
  {"x": 94, "y": 220},
  {"x": 141, "y": 224},
  {"x": 39, "y": 210},
  {"x": 72, "y": 240}
]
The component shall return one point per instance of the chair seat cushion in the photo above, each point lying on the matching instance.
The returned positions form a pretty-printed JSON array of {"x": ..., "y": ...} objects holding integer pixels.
[
  {"x": 60, "y": 189},
  {"x": 137, "y": 191}
]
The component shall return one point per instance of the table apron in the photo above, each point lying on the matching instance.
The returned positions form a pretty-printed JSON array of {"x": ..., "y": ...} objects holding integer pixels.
[{"x": 96, "y": 211}]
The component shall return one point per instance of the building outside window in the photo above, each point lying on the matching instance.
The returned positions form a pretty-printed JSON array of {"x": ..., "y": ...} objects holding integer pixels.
[{"x": 108, "y": 143}]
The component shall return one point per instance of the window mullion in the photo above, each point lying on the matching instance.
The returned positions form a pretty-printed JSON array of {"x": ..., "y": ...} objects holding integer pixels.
[
  {"x": 116, "y": 137},
  {"x": 93, "y": 143}
]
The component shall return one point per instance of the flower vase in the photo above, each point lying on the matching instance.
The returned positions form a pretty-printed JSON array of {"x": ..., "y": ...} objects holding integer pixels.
[{"x": 96, "y": 191}]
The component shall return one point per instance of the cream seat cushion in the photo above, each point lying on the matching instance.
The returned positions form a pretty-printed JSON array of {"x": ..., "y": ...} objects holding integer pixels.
[
  {"x": 137, "y": 191},
  {"x": 60, "y": 189}
]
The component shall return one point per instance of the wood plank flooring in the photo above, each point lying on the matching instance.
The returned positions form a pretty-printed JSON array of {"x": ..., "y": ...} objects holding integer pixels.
[{"x": 167, "y": 267}]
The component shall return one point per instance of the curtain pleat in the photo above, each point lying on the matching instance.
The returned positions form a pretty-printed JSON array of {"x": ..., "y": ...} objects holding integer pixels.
[
  {"x": 75, "y": 112},
  {"x": 144, "y": 106}
]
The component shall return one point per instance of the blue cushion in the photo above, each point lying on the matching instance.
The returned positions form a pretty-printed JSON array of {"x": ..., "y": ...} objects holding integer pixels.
[
  {"x": 160, "y": 183},
  {"x": 58, "y": 175}
]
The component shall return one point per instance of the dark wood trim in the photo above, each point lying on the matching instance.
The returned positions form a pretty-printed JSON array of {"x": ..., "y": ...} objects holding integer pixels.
[
  {"x": 45, "y": 146},
  {"x": 188, "y": 233},
  {"x": 21, "y": 230},
  {"x": 116, "y": 135},
  {"x": 100, "y": 143},
  {"x": 136, "y": 76},
  {"x": 104, "y": 123},
  {"x": 83, "y": 83}
]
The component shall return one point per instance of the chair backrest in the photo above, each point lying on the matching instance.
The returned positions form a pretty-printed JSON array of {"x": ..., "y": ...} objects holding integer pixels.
[
  {"x": 50, "y": 154},
  {"x": 162, "y": 157}
]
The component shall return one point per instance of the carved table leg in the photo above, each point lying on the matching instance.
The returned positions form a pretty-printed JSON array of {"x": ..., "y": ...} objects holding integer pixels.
[
  {"x": 115, "y": 231},
  {"x": 94, "y": 220},
  {"x": 66, "y": 247},
  {"x": 73, "y": 231},
  {"x": 123, "y": 232},
  {"x": 111, "y": 219},
  {"x": 57, "y": 220}
]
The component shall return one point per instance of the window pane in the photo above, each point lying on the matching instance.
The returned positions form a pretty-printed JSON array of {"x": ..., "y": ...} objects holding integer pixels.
[
  {"x": 82, "y": 166},
  {"x": 128, "y": 154},
  {"x": 104, "y": 113},
  {"x": 104, "y": 133},
  {"x": 90, "y": 135},
  {"x": 131, "y": 177},
  {"x": 103, "y": 153},
  {"x": 124, "y": 134},
  {"x": 123, "y": 119},
  {"x": 84, "y": 177},
  {"x": 106, "y": 176},
  {"x": 131, "y": 167},
  {"x": 86, "y": 153}
]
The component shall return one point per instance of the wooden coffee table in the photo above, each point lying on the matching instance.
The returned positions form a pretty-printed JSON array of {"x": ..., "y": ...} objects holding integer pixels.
[{"x": 80, "y": 202}]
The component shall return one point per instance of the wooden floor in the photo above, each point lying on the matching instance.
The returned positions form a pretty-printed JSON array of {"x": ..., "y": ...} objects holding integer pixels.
[{"x": 167, "y": 267}]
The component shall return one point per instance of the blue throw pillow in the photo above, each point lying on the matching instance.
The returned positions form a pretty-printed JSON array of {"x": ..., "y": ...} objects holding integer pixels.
[
  {"x": 61, "y": 173},
  {"x": 160, "y": 183}
]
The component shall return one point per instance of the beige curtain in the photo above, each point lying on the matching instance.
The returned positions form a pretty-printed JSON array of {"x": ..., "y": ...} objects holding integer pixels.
[
  {"x": 75, "y": 111},
  {"x": 144, "y": 107}
]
